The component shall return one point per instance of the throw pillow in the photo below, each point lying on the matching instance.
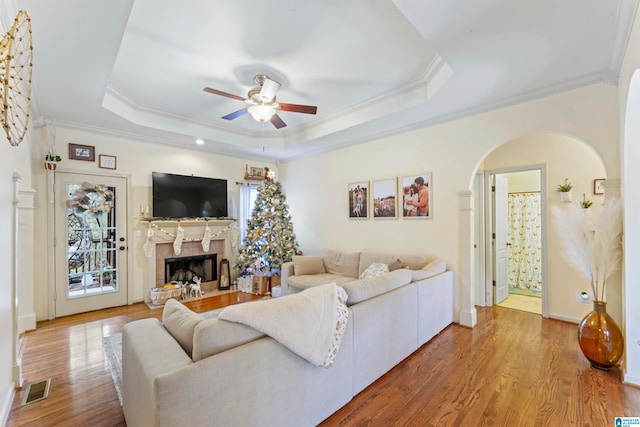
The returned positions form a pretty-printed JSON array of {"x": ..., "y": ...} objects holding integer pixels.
[
  {"x": 303, "y": 265},
  {"x": 374, "y": 270},
  {"x": 180, "y": 322},
  {"x": 433, "y": 268},
  {"x": 397, "y": 265},
  {"x": 343, "y": 264}
]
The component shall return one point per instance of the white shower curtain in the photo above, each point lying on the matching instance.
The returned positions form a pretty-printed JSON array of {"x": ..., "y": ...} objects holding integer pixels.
[{"x": 524, "y": 236}]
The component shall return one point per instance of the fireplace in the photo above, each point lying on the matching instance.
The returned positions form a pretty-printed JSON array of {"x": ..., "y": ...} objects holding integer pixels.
[
  {"x": 192, "y": 260},
  {"x": 184, "y": 269}
]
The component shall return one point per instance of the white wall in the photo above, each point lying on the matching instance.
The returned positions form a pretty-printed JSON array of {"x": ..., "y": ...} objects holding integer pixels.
[
  {"x": 316, "y": 187},
  {"x": 136, "y": 160},
  {"x": 14, "y": 160},
  {"x": 564, "y": 157},
  {"x": 629, "y": 106}
]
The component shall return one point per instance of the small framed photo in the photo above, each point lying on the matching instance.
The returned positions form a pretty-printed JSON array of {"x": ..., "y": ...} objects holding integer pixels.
[
  {"x": 417, "y": 196},
  {"x": 256, "y": 172},
  {"x": 107, "y": 162},
  {"x": 82, "y": 152},
  {"x": 358, "y": 196},
  {"x": 598, "y": 185},
  {"x": 384, "y": 198}
]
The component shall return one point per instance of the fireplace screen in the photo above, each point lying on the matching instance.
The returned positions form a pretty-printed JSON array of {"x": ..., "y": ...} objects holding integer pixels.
[{"x": 185, "y": 268}]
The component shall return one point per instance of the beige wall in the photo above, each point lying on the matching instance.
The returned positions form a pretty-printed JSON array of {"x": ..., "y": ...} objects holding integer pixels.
[
  {"x": 525, "y": 181},
  {"x": 564, "y": 157},
  {"x": 316, "y": 187}
]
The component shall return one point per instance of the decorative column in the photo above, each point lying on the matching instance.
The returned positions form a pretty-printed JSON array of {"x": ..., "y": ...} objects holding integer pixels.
[
  {"x": 17, "y": 363},
  {"x": 468, "y": 314}
]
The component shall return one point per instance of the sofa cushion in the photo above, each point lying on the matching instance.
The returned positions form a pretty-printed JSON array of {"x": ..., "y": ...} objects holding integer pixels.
[
  {"x": 313, "y": 280},
  {"x": 374, "y": 270},
  {"x": 213, "y": 336},
  {"x": 303, "y": 265},
  {"x": 435, "y": 267},
  {"x": 363, "y": 289},
  {"x": 180, "y": 322},
  {"x": 368, "y": 258},
  {"x": 343, "y": 264}
]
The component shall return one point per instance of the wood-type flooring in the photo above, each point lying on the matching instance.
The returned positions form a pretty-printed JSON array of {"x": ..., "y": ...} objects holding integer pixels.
[{"x": 513, "y": 369}]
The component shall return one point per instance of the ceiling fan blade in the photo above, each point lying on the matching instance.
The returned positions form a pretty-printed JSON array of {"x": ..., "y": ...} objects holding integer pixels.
[
  {"x": 277, "y": 121},
  {"x": 295, "y": 108},
  {"x": 221, "y": 93},
  {"x": 236, "y": 114},
  {"x": 269, "y": 89}
]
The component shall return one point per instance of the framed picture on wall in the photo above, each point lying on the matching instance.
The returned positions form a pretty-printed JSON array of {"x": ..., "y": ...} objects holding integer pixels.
[
  {"x": 82, "y": 152},
  {"x": 417, "y": 196},
  {"x": 384, "y": 197},
  {"x": 358, "y": 193},
  {"x": 598, "y": 186}
]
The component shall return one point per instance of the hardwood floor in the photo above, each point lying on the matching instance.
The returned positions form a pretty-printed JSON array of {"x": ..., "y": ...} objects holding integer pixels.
[{"x": 515, "y": 368}]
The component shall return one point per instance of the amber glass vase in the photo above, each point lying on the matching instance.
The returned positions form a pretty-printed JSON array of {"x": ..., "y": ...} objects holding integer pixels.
[{"x": 600, "y": 338}]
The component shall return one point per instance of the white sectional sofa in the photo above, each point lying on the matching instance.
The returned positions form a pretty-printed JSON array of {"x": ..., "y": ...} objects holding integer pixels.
[{"x": 201, "y": 370}]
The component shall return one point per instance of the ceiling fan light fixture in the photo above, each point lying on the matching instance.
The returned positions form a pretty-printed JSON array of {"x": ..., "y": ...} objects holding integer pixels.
[{"x": 262, "y": 113}]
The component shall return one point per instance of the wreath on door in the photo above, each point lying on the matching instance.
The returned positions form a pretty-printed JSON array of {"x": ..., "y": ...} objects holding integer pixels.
[{"x": 89, "y": 198}]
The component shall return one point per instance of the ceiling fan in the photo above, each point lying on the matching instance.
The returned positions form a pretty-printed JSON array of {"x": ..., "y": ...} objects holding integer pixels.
[{"x": 263, "y": 102}]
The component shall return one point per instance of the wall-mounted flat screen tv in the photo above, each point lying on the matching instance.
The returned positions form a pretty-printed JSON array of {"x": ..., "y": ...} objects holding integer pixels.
[{"x": 183, "y": 196}]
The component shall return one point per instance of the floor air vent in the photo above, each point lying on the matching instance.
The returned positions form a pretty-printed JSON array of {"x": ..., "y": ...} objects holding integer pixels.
[{"x": 36, "y": 391}]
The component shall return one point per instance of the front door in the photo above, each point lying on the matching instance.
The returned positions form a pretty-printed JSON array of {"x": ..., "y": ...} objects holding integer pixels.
[{"x": 90, "y": 236}]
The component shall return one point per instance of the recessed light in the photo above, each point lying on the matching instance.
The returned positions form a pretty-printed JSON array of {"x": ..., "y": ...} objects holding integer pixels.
[{"x": 200, "y": 141}]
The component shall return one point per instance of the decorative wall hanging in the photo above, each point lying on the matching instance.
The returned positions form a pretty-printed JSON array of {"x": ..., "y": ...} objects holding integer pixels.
[
  {"x": 598, "y": 185},
  {"x": 107, "y": 162},
  {"x": 254, "y": 173},
  {"x": 358, "y": 193},
  {"x": 417, "y": 192},
  {"x": 82, "y": 152},
  {"x": 384, "y": 198},
  {"x": 16, "y": 53}
]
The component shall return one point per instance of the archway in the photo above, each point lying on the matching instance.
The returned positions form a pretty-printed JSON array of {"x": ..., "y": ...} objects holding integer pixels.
[
  {"x": 631, "y": 197},
  {"x": 563, "y": 157}
]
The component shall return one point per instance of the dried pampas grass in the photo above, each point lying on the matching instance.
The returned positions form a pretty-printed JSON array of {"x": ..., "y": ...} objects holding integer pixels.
[{"x": 594, "y": 248}]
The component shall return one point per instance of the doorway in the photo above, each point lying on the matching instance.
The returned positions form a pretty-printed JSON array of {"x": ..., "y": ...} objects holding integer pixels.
[
  {"x": 515, "y": 238},
  {"x": 90, "y": 235}
]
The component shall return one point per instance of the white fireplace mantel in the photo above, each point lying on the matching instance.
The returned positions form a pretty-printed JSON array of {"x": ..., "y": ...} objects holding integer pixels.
[{"x": 165, "y": 231}]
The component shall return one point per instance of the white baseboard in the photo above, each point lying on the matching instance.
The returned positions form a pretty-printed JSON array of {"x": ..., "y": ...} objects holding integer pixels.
[
  {"x": 469, "y": 318},
  {"x": 6, "y": 405},
  {"x": 26, "y": 322},
  {"x": 632, "y": 380},
  {"x": 564, "y": 318}
]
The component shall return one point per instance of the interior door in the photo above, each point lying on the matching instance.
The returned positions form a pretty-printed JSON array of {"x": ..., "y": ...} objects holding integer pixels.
[
  {"x": 500, "y": 212},
  {"x": 91, "y": 246}
]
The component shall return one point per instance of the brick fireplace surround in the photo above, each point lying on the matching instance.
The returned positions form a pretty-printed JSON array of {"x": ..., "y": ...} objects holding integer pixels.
[{"x": 193, "y": 229}]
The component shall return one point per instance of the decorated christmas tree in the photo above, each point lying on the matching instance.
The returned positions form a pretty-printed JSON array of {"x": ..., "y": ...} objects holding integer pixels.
[{"x": 270, "y": 239}]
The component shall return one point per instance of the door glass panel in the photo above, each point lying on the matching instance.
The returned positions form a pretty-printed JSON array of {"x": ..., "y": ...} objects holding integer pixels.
[{"x": 92, "y": 246}]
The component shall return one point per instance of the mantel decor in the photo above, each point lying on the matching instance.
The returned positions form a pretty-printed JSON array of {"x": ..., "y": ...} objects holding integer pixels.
[
  {"x": 594, "y": 248},
  {"x": 224, "y": 280},
  {"x": 254, "y": 173}
]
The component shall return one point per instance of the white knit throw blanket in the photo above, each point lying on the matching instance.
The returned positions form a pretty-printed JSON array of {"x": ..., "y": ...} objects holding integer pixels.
[{"x": 310, "y": 323}]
